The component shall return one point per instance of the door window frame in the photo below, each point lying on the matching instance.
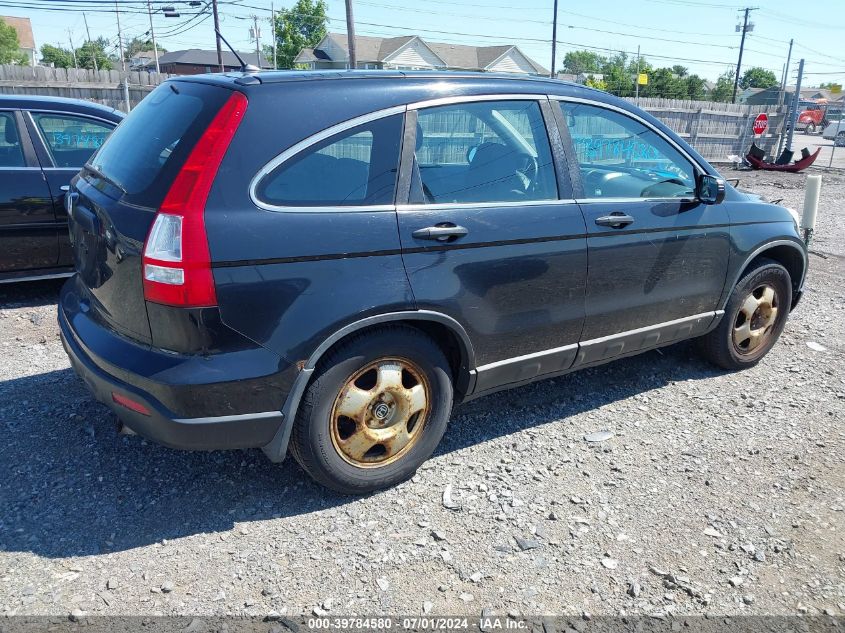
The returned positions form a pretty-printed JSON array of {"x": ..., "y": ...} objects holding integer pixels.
[
  {"x": 572, "y": 159},
  {"x": 563, "y": 181},
  {"x": 30, "y": 156},
  {"x": 42, "y": 148}
]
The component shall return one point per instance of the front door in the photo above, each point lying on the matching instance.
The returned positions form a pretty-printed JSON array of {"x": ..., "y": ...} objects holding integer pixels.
[
  {"x": 28, "y": 231},
  {"x": 487, "y": 239},
  {"x": 657, "y": 257}
]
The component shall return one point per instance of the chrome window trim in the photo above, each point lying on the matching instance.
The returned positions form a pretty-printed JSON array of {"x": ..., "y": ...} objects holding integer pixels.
[
  {"x": 629, "y": 200},
  {"x": 697, "y": 166},
  {"x": 441, "y": 101},
  {"x": 69, "y": 113},
  {"x": 440, "y": 206},
  {"x": 303, "y": 145}
]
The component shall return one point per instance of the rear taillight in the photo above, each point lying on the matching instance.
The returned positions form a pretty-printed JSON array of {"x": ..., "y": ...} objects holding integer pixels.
[{"x": 177, "y": 263}]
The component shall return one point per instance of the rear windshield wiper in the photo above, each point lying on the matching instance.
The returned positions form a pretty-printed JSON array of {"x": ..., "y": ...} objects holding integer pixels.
[{"x": 101, "y": 175}]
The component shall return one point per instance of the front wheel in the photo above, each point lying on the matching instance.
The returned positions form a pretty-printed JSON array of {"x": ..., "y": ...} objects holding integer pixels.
[
  {"x": 754, "y": 318},
  {"x": 376, "y": 410},
  {"x": 810, "y": 129},
  {"x": 840, "y": 140}
]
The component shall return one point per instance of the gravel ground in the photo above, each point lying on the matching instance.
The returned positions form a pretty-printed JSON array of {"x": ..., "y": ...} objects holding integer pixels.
[{"x": 718, "y": 493}]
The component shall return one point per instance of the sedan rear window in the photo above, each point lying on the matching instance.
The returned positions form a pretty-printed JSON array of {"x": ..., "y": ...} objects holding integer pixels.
[{"x": 144, "y": 154}]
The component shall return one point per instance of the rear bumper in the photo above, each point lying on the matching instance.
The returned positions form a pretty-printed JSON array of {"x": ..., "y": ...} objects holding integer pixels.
[{"x": 161, "y": 424}]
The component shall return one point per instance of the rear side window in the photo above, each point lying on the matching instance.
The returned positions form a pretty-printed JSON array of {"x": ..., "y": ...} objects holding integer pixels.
[
  {"x": 355, "y": 167},
  {"x": 145, "y": 152},
  {"x": 71, "y": 139},
  {"x": 11, "y": 154}
]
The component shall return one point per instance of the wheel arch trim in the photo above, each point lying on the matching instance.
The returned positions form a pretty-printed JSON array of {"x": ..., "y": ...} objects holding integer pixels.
[
  {"x": 761, "y": 250},
  {"x": 277, "y": 448}
]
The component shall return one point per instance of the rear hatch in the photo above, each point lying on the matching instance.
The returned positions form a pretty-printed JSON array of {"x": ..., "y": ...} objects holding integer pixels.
[{"x": 116, "y": 195}]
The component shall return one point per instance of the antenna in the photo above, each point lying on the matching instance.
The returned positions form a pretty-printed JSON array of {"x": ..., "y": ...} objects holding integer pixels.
[{"x": 246, "y": 68}]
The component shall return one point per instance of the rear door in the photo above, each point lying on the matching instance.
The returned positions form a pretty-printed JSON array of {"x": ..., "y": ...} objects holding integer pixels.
[
  {"x": 487, "y": 236},
  {"x": 657, "y": 257},
  {"x": 28, "y": 227},
  {"x": 116, "y": 196},
  {"x": 65, "y": 142}
]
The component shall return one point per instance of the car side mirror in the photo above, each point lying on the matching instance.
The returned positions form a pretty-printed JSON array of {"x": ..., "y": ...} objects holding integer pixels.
[{"x": 710, "y": 190}]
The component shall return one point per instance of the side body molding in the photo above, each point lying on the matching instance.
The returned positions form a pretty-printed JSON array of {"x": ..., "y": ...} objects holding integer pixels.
[{"x": 277, "y": 447}]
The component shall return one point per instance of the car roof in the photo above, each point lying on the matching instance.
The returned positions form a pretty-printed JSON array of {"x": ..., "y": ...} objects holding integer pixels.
[
  {"x": 282, "y": 76},
  {"x": 78, "y": 106}
]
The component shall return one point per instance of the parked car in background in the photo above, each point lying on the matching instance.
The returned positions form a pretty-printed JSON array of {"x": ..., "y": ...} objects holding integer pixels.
[
  {"x": 835, "y": 132},
  {"x": 44, "y": 141},
  {"x": 334, "y": 284}
]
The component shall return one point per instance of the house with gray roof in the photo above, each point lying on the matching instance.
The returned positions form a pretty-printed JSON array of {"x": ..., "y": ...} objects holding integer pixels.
[
  {"x": 411, "y": 52},
  {"x": 195, "y": 61}
]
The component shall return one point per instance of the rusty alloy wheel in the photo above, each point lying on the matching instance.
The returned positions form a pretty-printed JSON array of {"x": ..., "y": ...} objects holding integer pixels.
[
  {"x": 380, "y": 412},
  {"x": 755, "y": 319}
]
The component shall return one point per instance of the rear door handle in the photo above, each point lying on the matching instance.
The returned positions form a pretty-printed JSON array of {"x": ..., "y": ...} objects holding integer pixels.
[
  {"x": 615, "y": 220},
  {"x": 442, "y": 232}
]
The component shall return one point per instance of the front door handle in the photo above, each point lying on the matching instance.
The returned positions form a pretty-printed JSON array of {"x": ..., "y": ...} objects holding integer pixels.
[
  {"x": 615, "y": 220},
  {"x": 444, "y": 232}
]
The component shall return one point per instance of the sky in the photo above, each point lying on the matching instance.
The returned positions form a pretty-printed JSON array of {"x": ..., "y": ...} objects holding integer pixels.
[{"x": 698, "y": 34}]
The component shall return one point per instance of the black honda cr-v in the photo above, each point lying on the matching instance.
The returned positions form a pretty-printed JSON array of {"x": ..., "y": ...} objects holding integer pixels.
[{"x": 326, "y": 262}]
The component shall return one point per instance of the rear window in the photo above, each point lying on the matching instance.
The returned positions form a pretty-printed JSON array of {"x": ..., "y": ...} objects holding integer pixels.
[{"x": 145, "y": 152}]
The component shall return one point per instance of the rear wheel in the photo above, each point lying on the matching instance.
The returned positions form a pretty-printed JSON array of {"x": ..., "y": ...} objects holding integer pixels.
[
  {"x": 375, "y": 411},
  {"x": 840, "y": 140},
  {"x": 754, "y": 318}
]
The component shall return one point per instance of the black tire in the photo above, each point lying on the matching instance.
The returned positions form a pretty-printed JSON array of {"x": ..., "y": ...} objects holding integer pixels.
[
  {"x": 839, "y": 141},
  {"x": 719, "y": 346},
  {"x": 810, "y": 129},
  {"x": 312, "y": 443}
]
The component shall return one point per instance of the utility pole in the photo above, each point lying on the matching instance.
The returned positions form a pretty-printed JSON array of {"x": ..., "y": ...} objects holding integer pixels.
[
  {"x": 637, "y": 78},
  {"x": 90, "y": 43},
  {"x": 153, "y": 36},
  {"x": 217, "y": 34},
  {"x": 72, "y": 49},
  {"x": 793, "y": 113},
  {"x": 273, "y": 31},
  {"x": 119, "y": 35},
  {"x": 745, "y": 28},
  {"x": 785, "y": 81},
  {"x": 552, "y": 72},
  {"x": 257, "y": 35},
  {"x": 350, "y": 36}
]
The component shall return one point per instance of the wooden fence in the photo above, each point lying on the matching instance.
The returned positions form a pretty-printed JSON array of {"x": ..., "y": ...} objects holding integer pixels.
[
  {"x": 104, "y": 86},
  {"x": 716, "y": 130}
]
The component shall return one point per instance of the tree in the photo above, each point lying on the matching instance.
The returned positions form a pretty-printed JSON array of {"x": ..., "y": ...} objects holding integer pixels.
[
  {"x": 56, "y": 56},
  {"x": 578, "y": 62},
  {"x": 592, "y": 82},
  {"x": 90, "y": 50},
  {"x": 696, "y": 87},
  {"x": 301, "y": 26},
  {"x": 680, "y": 71},
  {"x": 140, "y": 45},
  {"x": 758, "y": 78},
  {"x": 724, "y": 89},
  {"x": 10, "y": 47}
]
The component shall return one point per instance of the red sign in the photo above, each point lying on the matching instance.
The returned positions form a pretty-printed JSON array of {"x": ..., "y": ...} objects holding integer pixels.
[{"x": 761, "y": 123}]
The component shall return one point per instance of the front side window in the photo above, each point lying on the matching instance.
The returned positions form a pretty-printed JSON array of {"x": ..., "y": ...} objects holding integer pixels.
[
  {"x": 356, "y": 167},
  {"x": 489, "y": 151},
  {"x": 620, "y": 157},
  {"x": 11, "y": 154},
  {"x": 70, "y": 139}
]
